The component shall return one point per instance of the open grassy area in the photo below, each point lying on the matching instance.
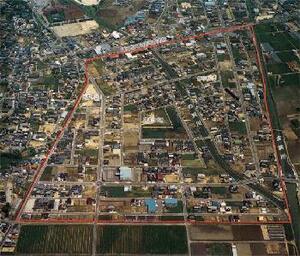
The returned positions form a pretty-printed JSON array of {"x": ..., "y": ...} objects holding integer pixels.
[
  {"x": 118, "y": 191},
  {"x": 278, "y": 68},
  {"x": 155, "y": 133},
  {"x": 268, "y": 28},
  {"x": 287, "y": 56},
  {"x": 51, "y": 239},
  {"x": 193, "y": 163},
  {"x": 9, "y": 159},
  {"x": 250, "y": 7},
  {"x": 219, "y": 249},
  {"x": 238, "y": 127},
  {"x": 188, "y": 156},
  {"x": 106, "y": 89},
  {"x": 98, "y": 64},
  {"x": 89, "y": 152},
  {"x": 142, "y": 240},
  {"x": 47, "y": 174},
  {"x": 175, "y": 120},
  {"x": 193, "y": 172},
  {"x": 177, "y": 209},
  {"x": 130, "y": 108}
]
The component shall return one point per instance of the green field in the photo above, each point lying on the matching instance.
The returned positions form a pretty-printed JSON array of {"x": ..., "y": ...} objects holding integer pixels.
[
  {"x": 193, "y": 163},
  {"x": 130, "y": 108},
  {"x": 278, "y": 68},
  {"x": 287, "y": 56},
  {"x": 219, "y": 249},
  {"x": 47, "y": 174},
  {"x": 71, "y": 239},
  {"x": 238, "y": 126},
  {"x": 193, "y": 172},
  {"x": 9, "y": 159},
  {"x": 142, "y": 240},
  {"x": 175, "y": 120},
  {"x": 188, "y": 156},
  {"x": 155, "y": 133},
  {"x": 118, "y": 191}
]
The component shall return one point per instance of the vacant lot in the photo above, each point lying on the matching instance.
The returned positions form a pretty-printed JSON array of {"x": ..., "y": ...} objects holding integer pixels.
[
  {"x": 75, "y": 29},
  {"x": 142, "y": 240},
  {"x": 71, "y": 239}
]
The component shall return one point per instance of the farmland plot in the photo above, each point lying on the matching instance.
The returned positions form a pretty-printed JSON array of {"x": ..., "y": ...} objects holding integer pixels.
[
  {"x": 71, "y": 239},
  {"x": 142, "y": 239}
]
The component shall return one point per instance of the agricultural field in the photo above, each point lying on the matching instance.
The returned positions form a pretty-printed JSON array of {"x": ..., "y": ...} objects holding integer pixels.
[
  {"x": 216, "y": 249},
  {"x": 223, "y": 232},
  {"x": 142, "y": 240},
  {"x": 59, "y": 11},
  {"x": 71, "y": 239},
  {"x": 211, "y": 249}
]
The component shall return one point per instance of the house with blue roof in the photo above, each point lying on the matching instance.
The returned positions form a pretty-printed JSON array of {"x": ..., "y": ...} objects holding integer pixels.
[
  {"x": 171, "y": 202},
  {"x": 151, "y": 205}
]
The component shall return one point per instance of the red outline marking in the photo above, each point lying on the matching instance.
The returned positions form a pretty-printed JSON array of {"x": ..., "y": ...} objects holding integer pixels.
[
  {"x": 258, "y": 60},
  {"x": 59, "y": 135}
]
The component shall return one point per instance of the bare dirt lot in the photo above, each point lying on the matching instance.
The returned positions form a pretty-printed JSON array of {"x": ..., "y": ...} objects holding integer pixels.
[
  {"x": 247, "y": 232},
  {"x": 75, "y": 29},
  {"x": 131, "y": 140},
  {"x": 211, "y": 232}
]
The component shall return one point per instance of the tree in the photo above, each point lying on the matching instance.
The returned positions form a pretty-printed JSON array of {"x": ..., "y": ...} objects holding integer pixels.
[{"x": 6, "y": 209}]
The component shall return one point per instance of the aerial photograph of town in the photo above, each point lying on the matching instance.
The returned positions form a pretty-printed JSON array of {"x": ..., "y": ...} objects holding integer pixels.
[{"x": 150, "y": 127}]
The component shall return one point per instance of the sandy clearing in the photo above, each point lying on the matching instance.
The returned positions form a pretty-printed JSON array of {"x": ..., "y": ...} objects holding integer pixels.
[{"x": 74, "y": 29}]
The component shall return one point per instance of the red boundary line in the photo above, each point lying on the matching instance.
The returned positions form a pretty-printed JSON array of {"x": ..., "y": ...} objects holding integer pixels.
[
  {"x": 93, "y": 221},
  {"x": 264, "y": 81},
  {"x": 67, "y": 120}
]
